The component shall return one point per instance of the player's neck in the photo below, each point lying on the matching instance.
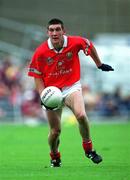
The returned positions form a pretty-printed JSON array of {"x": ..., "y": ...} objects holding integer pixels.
[{"x": 58, "y": 46}]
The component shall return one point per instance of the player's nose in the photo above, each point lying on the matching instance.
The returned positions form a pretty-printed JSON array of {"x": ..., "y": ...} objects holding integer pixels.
[{"x": 54, "y": 32}]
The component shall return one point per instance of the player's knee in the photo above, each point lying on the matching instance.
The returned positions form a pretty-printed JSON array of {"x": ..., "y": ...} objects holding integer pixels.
[
  {"x": 55, "y": 132},
  {"x": 81, "y": 116}
]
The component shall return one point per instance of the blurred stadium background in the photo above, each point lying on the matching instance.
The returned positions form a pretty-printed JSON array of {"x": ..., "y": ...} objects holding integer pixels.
[{"x": 23, "y": 28}]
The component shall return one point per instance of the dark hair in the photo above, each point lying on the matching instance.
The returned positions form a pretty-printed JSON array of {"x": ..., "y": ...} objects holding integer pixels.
[{"x": 55, "y": 21}]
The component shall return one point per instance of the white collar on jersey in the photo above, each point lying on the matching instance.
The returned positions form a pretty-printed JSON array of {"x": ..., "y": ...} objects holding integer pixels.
[{"x": 51, "y": 45}]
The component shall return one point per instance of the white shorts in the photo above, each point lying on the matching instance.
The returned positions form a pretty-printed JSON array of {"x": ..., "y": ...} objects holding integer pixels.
[{"x": 66, "y": 91}]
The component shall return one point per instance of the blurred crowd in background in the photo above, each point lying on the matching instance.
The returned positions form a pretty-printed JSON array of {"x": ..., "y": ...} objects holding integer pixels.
[{"x": 19, "y": 99}]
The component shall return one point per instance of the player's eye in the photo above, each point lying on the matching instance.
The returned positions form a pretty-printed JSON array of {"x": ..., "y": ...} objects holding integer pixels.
[
  {"x": 51, "y": 30},
  {"x": 55, "y": 29},
  {"x": 58, "y": 29}
]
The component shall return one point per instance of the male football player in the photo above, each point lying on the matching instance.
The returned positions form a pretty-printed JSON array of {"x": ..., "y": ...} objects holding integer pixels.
[{"x": 56, "y": 63}]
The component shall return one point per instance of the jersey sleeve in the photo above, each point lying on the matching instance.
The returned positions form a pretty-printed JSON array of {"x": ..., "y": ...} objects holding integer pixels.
[
  {"x": 34, "y": 68},
  {"x": 86, "y": 46}
]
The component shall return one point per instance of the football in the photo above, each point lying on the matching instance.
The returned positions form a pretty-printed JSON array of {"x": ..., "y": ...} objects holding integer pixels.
[{"x": 51, "y": 98}]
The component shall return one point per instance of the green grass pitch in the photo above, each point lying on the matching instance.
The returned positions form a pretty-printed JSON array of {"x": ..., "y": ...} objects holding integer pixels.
[{"x": 24, "y": 153}]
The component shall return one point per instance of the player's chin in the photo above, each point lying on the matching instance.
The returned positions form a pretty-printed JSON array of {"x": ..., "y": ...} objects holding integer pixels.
[{"x": 55, "y": 41}]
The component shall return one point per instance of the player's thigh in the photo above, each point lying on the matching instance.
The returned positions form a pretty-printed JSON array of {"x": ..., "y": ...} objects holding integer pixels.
[
  {"x": 75, "y": 102},
  {"x": 54, "y": 119}
]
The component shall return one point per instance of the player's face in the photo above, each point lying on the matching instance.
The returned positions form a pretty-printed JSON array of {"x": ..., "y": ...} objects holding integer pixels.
[{"x": 55, "y": 33}]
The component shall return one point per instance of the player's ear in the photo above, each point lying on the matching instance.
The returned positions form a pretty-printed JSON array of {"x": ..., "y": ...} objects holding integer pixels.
[
  {"x": 47, "y": 32},
  {"x": 64, "y": 31}
]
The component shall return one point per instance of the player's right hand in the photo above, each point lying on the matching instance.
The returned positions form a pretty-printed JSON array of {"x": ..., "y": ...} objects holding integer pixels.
[{"x": 44, "y": 107}]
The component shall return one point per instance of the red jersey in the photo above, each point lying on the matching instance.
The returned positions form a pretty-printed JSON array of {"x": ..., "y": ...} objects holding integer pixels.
[{"x": 61, "y": 68}]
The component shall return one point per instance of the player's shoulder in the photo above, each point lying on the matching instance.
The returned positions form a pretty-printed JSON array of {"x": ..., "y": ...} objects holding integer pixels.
[
  {"x": 76, "y": 38},
  {"x": 42, "y": 47}
]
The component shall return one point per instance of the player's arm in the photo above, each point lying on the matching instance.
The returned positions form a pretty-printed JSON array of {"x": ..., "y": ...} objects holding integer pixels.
[
  {"x": 39, "y": 85},
  {"x": 94, "y": 55}
]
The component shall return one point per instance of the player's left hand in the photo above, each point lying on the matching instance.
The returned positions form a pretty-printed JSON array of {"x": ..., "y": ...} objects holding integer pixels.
[{"x": 105, "y": 67}]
